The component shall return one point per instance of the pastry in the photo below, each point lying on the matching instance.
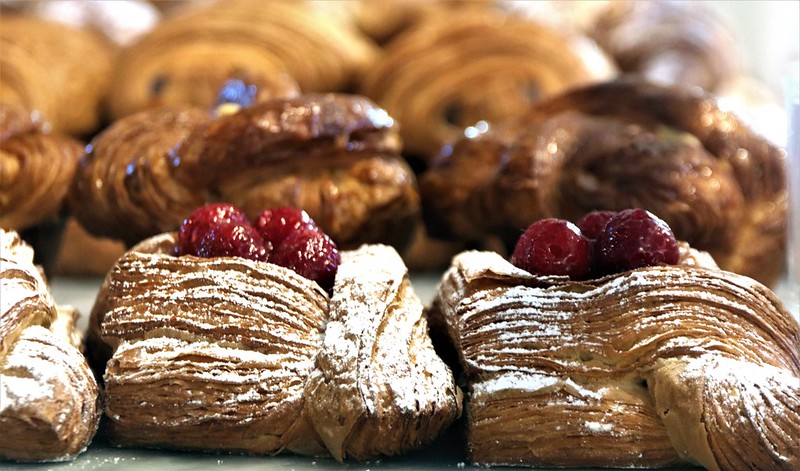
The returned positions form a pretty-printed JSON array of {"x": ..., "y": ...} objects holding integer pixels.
[
  {"x": 228, "y": 353},
  {"x": 187, "y": 58},
  {"x": 336, "y": 156},
  {"x": 36, "y": 168},
  {"x": 456, "y": 69},
  {"x": 684, "y": 43},
  {"x": 44, "y": 69},
  {"x": 49, "y": 400},
  {"x": 615, "y": 145},
  {"x": 657, "y": 366}
]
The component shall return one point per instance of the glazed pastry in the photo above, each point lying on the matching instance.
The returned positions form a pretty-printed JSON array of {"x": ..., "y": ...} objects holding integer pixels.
[
  {"x": 229, "y": 354},
  {"x": 44, "y": 69},
  {"x": 336, "y": 156},
  {"x": 456, "y": 69},
  {"x": 76, "y": 244},
  {"x": 654, "y": 367},
  {"x": 36, "y": 169},
  {"x": 186, "y": 59},
  {"x": 620, "y": 144},
  {"x": 49, "y": 400},
  {"x": 671, "y": 43}
]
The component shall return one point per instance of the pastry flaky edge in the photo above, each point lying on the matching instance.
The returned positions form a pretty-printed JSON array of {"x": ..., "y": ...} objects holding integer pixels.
[
  {"x": 647, "y": 368},
  {"x": 49, "y": 400},
  {"x": 228, "y": 354}
]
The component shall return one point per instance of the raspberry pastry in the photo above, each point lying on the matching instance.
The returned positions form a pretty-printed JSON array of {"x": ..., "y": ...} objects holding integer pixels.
[
  {"x": 49, "y": 400},
  {"x": 659, "y": 362},
  {"x": 670, "y": 150},
  {"x": 242, "y": 348}
]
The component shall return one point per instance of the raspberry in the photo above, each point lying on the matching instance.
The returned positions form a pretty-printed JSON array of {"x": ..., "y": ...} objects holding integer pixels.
[
  {"x": 635, "y": 238},
  {"x": 310, "y": 253},
  {"x": 274, "y": 225},
  {"x": 553, "y": 247},
  {"x": 593, "y": 222},
  {"x": 220, "y": 230}
]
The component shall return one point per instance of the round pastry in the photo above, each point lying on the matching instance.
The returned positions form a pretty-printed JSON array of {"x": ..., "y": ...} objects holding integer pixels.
[
  {"x": 49, "y": 399},
  {"x": 454, "y": 70},
  {"x": 186, "y": 59},
  {"x": 336, "y": 156},
  {"x": 36, "y": 169},
  {"x": 620, "y": 144},
  {"x": 44, "y": 67},
  {"x": 226, "y": 353},
  {"x": 668, "y": 42},
  {"x": 657, "y": 366}
]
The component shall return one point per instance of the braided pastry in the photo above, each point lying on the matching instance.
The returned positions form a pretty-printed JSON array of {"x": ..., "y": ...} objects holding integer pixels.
[
  {"x": 49, "y": 400},
  {"x": 186, "y": 59},
  {"x": 616, "y": 145},
  {"x": 647, "y": 368},
  {"x": 44, "y": 67},
  {"x": 36, "y": 169},
  {"x": 668, "y": 42},
  {"x": 454, "y": 70},
  {"x": 229, "y": 354},
  {"x": 336, "y": 156}
]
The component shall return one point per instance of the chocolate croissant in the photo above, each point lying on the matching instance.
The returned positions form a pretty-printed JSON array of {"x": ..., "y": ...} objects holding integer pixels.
[
  {"x": 44, "y": 68},
  {"x": 455, "y": 69},
  {"x": 654, "y": 367},
  {"x": 36, "y": 168},
  {"x": 276, "y": 45},
  {"x": 231, "y": 354},
  {"x": 49, "y": 400},
  {"x": 614, "y": 145},
  {"x": 336, "y": 156},
  {"x": 683, "y": 43}
]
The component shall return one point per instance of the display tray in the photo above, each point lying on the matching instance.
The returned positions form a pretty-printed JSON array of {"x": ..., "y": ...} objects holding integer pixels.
[{"x": 446, "y": 453}]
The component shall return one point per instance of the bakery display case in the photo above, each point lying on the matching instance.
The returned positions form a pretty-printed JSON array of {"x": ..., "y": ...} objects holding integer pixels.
[{"x": 405, "y": 234}]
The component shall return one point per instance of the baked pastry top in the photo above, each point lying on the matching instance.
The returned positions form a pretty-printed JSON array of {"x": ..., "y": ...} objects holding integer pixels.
[
  {"x": 646, "y": 368},
  {"x": 230, "y": 354}
]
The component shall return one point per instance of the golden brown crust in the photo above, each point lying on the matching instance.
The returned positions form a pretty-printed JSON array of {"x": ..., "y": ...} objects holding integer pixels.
[
  {"x": 617, "y": 145},
  {"x": 185, "y": 59},
  {"x": 646, "y": 368},
  {"x": 456, "y": 69},
  {"x": 44, "y": 67},
  {"x": 233, "y": 355},
  {"x": 49, "y": 400},
  {"x": 36, "y": 170}
]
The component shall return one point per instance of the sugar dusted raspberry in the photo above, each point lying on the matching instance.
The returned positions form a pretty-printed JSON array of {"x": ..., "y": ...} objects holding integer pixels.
[
  {"x": 592, "y": 223},
  {"x": 310, "y": 253},
  {"x": 274, "y": 225},
  {"x": 553, "y": 247},
  {"x": 220, "y": 230},
  {"x": 635, "y": 238}
]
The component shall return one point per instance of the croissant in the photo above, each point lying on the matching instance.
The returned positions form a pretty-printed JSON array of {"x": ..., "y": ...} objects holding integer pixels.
[
  {"x": 44, "y": 68},
  {"x": 456, "y": 69},
  {"x": 668, "y": 42},
  {"x": 229, "y": 354},
  {"x": 36, "y": 169},
  {"x": 614, "y": 145},
  {"x": 49, "y": 400},
  {"x": 277, "y": 45},
  {"x": 653, "y": 367},
  {"x": 336, "y": 156}
]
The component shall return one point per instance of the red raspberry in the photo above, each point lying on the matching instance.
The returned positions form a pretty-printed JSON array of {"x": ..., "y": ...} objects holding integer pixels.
[
  {"x": 594, "y": 222},
  {"x": 274, "y": 225},
  {"x": 310, "y": 253},
  {"x": 220, "y": 230},
  {"x": 553, "y": 247},
  {"x": 635, "y": 238}
]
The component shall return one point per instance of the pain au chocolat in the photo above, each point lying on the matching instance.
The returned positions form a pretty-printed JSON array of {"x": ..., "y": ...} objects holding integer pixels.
[
  {"x": 654, "y": 367},
  {"x": 49, "y": 400},
  {"x": 229, "y": 354}
]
